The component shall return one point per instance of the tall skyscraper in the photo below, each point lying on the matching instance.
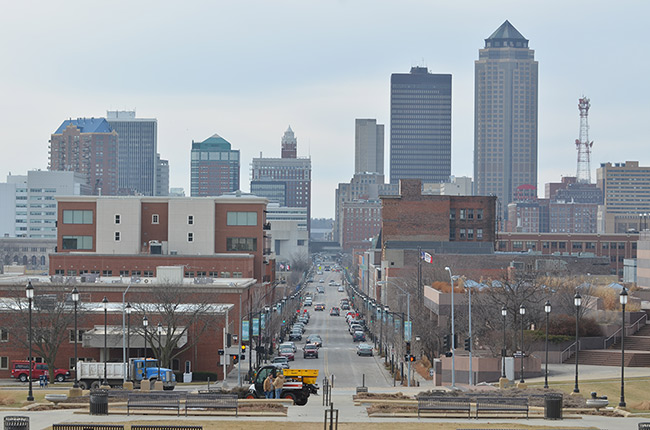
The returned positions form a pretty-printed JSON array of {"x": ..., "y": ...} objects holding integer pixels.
[
  {"x": 286, "y": 180},
  {"x": 505, "y": 116},
  {"x": 420, "y": 126},
  {"x": 214, "y": 167},
  {"x": 137, "y": 154},
  {"x": 368, "y": 146},
  {"x": 162, "y": 176},
  {"x": 88, "y": 146}
]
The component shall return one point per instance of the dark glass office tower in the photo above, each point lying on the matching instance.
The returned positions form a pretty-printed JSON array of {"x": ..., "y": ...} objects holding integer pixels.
[{"x": 420, "y": 126}]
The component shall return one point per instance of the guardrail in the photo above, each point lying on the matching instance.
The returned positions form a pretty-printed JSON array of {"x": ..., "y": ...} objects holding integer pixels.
[{"x": 567, "y": 352}]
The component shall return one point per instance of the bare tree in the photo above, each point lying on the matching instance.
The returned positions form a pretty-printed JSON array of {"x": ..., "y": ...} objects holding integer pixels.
[
  {"x": 52, "y": 316},
  {"x": 178, "y": 314}
]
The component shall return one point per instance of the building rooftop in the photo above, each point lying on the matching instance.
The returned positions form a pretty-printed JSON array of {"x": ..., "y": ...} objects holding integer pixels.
[
  {"x": 214, "y": 142},
  {"x": 86, "y": 125},
  {"x": 506, "y": 33}
]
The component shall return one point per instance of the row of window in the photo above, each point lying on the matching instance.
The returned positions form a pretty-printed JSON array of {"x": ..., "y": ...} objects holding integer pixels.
[{"x": 466, "y": 214}]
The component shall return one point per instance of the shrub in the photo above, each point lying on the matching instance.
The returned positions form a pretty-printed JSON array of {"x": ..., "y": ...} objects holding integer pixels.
[
  {"x": 566, "y": 325},
  {"x": 203, "y": 376}
]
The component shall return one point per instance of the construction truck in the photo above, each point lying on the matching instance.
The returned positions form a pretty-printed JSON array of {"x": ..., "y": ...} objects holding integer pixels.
[
  {"x": 91, "y": 374},
  {"x": 298, "y": 386}
]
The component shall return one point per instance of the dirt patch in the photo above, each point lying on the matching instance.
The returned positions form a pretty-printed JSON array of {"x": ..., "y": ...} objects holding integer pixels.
[
  {"x": 535, "y": 395},
  {"x": 390, "y": 409},
  {"x": 381, "y": 396},
  {"x": 263, "y": 408}
]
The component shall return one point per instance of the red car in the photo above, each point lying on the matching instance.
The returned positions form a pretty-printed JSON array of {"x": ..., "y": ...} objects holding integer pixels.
[
  {"x": 20, "y": 370},
  {"x": 286, "y": 351}
]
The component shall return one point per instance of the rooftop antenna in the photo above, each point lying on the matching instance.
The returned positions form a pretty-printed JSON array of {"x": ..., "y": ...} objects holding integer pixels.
[{"x": 583, "y": 145}]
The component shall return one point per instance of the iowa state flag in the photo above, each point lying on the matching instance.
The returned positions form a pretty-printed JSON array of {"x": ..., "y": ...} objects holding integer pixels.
[{"x": 426, "y": 257}]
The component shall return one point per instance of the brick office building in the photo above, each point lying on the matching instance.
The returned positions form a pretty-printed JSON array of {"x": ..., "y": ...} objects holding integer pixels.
[{"x": 436, "y": 220}]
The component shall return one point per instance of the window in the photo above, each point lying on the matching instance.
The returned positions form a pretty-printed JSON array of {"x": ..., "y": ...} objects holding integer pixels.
[
  {"x": 190, "y": 219},
  {"x": 301, "y": 242},
  {"x": 117, "y": 219},
  {"x": 470, "y": 233},
  {"x": 190, "y": 237},
  {"x": 117, "y": 236},
  {"x": 237, "y": 274},
  {"x": 452, "y": 213},
  {"x": 80, "y": 334},
  {"x": 241, "y": 244},
  {"x": 214, "y": 274},
  {"x": 462, "y": 233},
  {"x": 4, "y": 335},
  {"x": 225, "y": 274},
  {"x": 189, "y": 274},
  {"x": 136, "y": 273},
  {"x": 463, "y": 214},
  {"x": 124, "y": 273},
  {"x": 147, "y": 273},
  {"x": 107, "y": 273},
  {"x": 72, "y": 272},
  {"x": 479, "y": 213},
  {"x": 4, "y": 363},
  {"x": 470, "y": 213},
  {"x": 200, "y": 274},
  {"x": 479, "y": 233},
  {"x": 154, "y": 219},
  {"x": 77, "y": 217},
  {"x": 77, "y": 242},
  {"x": 242, "y": 218},
  {"x": 517, "y": 244}
]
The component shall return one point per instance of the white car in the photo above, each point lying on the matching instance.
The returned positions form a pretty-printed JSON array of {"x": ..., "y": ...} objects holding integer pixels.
[{"x": 341, "y": 289}]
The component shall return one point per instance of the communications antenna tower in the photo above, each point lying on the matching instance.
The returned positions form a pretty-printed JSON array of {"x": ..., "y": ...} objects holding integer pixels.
[{"x": 583, "y": 145}]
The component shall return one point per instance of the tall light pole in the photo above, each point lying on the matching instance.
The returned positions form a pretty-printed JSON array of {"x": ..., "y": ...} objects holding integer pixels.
[
  {"x": 408, "y": 318},
  {"x": 453, "y": 333},
  {"x": 547, "y": 310},
  {"x": 75, "y": 300},
  {"x": 29, "y": 292},
  {"x": 128, "y": 310},
  {"x": 623, "y": 299},
  {"x": 105, "y": 303},
  {"x": 577, "y": 301},
  {"x": 522, "y": 312},
  {"x": 145, "y": 323},
  {"x": 471, "y": 376},
  {"x": 504, "y": 313},
  {"x": 160, "y": 330}
]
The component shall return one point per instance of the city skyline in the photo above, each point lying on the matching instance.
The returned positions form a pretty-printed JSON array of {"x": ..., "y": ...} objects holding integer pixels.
[{"x": 252, "y": 85}]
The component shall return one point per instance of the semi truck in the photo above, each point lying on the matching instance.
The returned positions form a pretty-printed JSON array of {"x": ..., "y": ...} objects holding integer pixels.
[
  {"x": 299, "y": 383},
  {"x": 91, "y": 374}
]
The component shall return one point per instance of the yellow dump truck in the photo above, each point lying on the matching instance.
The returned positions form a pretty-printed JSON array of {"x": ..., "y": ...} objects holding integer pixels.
[{"x": 299, "y": 384}]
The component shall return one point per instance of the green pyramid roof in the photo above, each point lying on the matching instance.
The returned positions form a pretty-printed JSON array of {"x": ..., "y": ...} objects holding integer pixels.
[{"x": 506, "y": 33}]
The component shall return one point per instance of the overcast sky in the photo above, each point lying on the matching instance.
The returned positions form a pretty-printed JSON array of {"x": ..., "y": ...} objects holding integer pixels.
[{"x": 248, "y": 69}]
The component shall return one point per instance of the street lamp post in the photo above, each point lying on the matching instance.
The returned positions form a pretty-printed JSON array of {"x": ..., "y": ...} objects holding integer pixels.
[
  {"x": 145, "y": 323},
  {"x": 453, "y": 333},
  {"x": 160, "y": 330},
  {"x": 504, "y": 313},
  {"x": 522, "y": 312},
  {"x": 577, "y": 301},
  {"x": 105, "y": 303},
  {"x": 408, "y": 318},
  {"x": 623, "y": 299},
  {"x": 547, "y": 310},
  {"x": 29, "y": 292},
  {"x": 471, "y": 376},
  {"x": 128, "y": 310},
  {"x": 75, "y": 300}
]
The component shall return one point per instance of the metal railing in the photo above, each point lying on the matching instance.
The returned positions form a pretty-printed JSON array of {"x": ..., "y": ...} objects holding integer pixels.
[
  {"x": 567, "y": 352},
  {"x": 629, "y": 330}
]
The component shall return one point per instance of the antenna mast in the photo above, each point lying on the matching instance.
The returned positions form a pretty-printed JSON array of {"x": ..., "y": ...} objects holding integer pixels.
[{"x": 583, "y": 145}]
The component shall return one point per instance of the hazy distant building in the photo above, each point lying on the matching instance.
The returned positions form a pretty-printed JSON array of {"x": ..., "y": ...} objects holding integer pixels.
[
  {"x": 28, "y": 204},
  {"x": 88, "y": 146},
  {"x": 368, "y": 146},
  {"x": 626, "y": 196},
  {"x": 288, "y": 231},
  {"x": 214, "y": 167},
  {"x": 505, "y": 116},
  {"x": 162, "y": 176},
  {"x": 455, "y": 186},
  {"x": 420, "y": 126},
  {"x": 177, "y": 192},
  {"x": 286, "y": 180},
  {"x": 138, "y": 148}
]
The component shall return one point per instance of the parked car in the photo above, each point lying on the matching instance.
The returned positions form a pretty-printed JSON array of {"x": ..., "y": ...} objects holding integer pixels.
[
  {"x": 20, "y": 370},
  {"x": 310, "y": 350},
  {"x": 281, "y": 362},
  {"x": 358, "y": 336},
  {"x": 355, "y": 327},
  {"x": 335, "y": 312},
  {"x": 364, "y": 349},
  {"x": 286, "y": 351},
  {"x": 315, "y": 339}
]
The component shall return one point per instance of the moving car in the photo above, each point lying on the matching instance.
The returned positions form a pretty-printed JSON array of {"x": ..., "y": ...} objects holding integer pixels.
[
  {"x": 281, "y": 362},
  {"x": 364, "y": 349},
  {"x": 307, "y": 302},
  {"x": 315, "y": 339},
  {"x": 340, "y": 289},
  {"x": 358, "y": 336},
  {"x": 319, "y": 307},
  {"x": 310, "y": 350},
  {"x": 291, "y": 344},
  {"x": 335, "y": 312},
  {"x": 320, "y": 281},
  {"x": 286, "y": 351},
  {"x": 295, "y": 335}
]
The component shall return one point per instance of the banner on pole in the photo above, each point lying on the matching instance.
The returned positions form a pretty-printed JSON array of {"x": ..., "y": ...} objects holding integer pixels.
[
  {"x": 407, "y": 331},
  {"x": 256, "y": 326},
  {"x": 245, "y": 328}
]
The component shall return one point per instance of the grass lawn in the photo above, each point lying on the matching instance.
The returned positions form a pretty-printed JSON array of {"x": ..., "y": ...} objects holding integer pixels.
[{"x": 636, "y": 391}]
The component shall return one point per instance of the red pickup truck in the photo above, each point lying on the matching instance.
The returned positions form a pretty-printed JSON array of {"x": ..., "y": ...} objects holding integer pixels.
[{"x": 20, "y": 370}]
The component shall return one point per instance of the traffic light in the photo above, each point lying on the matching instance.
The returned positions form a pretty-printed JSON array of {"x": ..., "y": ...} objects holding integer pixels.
[
  {"x": 243, "y": 349},
  {"x": 445, "y": 343},
  {"x": 468, "y": 344},
  {"x": 455, "y": 341},
  {"x": 228, "y": 340},
  {"x": 233, "y": 357},
  {"x": 408, "y": 347},
  {"x": 411, "y": 357}
]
